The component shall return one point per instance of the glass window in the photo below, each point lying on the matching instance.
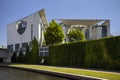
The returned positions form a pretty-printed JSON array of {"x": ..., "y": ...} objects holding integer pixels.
[
  {"x": 10, "y": 48},
  {"x": 30, "y": 44},
  {"x": 104, "y": 31},
  {"x": 87, "y": 33},
  {"x": 24, "y": 46},
  {"x": 17, "y": 47}
]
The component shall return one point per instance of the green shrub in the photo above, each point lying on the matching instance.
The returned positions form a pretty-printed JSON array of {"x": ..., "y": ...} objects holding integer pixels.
[
  {"x": 53, "y": 33},
  {"x": 96, "y": 55},
  {"x": 76, "y": 35},
  {"x": 113, "y": 48},
  {"x": 14, "y": 57},
  {"x": 27, "y": 55},
  {"x": 102, "y": 53},
  {"x": 20, "y": 57},
  {"x": 34, "y": 58},
  {"x": 67, "y": 54}
]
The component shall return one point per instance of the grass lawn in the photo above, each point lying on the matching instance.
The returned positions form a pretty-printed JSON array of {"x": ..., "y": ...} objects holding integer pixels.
[{"x": 93, "y": 73}]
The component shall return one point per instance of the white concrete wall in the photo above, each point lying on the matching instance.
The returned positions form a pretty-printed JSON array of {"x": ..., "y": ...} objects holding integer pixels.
[
  {"x": 13, "y": 37},
  {"x": 99, "y": 32}
]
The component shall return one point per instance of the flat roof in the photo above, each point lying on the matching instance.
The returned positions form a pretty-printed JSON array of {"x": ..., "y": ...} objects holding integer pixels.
[{"x": 87, "y": 22}]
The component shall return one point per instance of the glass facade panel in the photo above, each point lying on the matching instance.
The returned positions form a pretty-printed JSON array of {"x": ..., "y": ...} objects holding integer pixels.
[
  {"x": 87, "y": 34},
  {"x": 30, "y": 45},
  {"x": 10, "y": 48},
  {"x": 17, "y": 46},
  {"x": 104, "y": 31},
  {"x": 24, "y": 46}
]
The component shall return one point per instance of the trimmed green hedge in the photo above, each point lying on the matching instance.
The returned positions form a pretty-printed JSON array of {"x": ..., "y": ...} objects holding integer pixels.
[
  {"x": 67, "y": 54},
  {"x": 113, "y": 49},
  {"x": 102, "y": 53}
]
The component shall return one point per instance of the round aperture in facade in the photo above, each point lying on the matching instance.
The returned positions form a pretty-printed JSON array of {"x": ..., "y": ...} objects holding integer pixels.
[{"x": 21, "y": 27}]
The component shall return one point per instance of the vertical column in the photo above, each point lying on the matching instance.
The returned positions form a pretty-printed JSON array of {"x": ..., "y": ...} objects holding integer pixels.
[
  {"x": 108, "y": 28},
  {"x": 67, "y": 27}
]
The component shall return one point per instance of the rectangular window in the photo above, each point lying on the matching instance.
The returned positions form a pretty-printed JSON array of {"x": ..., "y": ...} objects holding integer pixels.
[
  {"x": 104, "y": 31},
  {"x": 24, "y": 46},
  {"x": 30, "y": 45},
  {"x": 16, "y": 47},
  {"x": 10, "y": 48},
  {"x": 87, "y": 34}
]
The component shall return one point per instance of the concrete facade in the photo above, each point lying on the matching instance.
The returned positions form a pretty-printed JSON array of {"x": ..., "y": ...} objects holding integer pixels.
[
  {"x": 93, "y": 29},
  {"x": 23, "y": 31}
]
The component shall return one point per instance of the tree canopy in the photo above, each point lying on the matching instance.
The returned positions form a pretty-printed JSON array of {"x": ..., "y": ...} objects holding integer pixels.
[
  {"x": 76, "y": 35},
  {"x": 53, "y": 33}
]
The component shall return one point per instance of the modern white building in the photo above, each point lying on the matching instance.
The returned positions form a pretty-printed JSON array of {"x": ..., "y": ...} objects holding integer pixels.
[
  {"x": 92, "y": 28},
  {"x": 22, "y": 32}
]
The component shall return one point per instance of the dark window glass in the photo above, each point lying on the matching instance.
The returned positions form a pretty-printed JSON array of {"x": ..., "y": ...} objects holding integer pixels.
[
  {"x": 87, "y": 33},
  {"x": 24, "y": 46},
  {"x": 10, "y": 48},
  {"x": 17, "y": 47},
  {"x": 45, "y": 53},
  {"x": 104, "y": 31}
]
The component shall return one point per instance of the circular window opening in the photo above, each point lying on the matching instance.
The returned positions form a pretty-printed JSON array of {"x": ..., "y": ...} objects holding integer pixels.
[{"x": 21, "y": 27}]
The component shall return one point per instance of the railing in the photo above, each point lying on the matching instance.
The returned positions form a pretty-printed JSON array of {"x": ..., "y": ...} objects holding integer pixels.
[{"x": 44, "y": 51}]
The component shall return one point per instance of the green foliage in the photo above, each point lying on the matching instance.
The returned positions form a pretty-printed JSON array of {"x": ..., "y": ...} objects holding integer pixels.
[
  {"x": 34, "y": 52},
  {"x": 31, "y": 56},
  {"x": 14, "y": 57},
  {"x": 76, "y": 35},
  {"x": 27, "y": 55},
  {"x": 45, "y": 58},
  {"x": 67, "y": 54},
  {"x": 113, "y": 48},
  {"x": 53, "y": 33},
  {"x": 102, "y": 53},
  {"x": 20, "y": 57},
  {"x": 96, "y": 54}
]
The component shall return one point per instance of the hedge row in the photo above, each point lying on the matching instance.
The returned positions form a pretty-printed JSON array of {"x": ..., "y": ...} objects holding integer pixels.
[{"x": 102, "y": 53}]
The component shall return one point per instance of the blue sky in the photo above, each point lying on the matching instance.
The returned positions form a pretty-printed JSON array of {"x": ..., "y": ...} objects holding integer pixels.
[{"x": 12, "y": 10}]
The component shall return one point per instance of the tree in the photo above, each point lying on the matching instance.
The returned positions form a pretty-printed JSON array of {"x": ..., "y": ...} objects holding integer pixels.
[
  {"x": 14, "y": 57},
  {"x": 27, "y": 55},
  {"x": 76, "y": 35},
  {"x": 53, "y": 33},
  {"x": 34, "y": 52},
  {"x": 21, "y": 57}
]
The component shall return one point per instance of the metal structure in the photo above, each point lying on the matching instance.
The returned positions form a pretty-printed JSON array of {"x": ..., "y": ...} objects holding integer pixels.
[{"x": 44, "y": 51}]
